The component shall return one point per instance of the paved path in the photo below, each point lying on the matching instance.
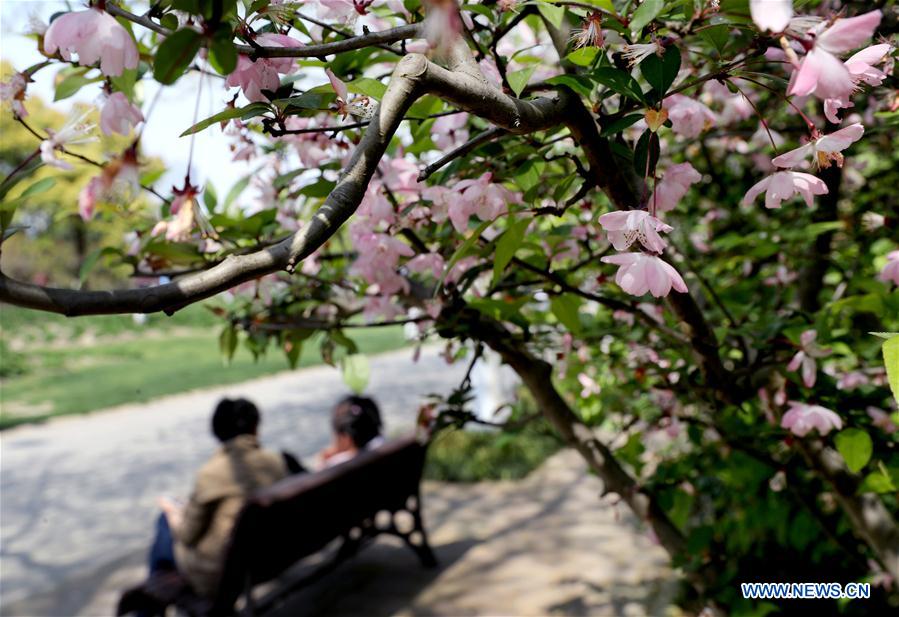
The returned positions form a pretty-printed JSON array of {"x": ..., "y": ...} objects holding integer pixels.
[
  {"x": 542, "y": 546},
  {"x": 78, "y": 495}
]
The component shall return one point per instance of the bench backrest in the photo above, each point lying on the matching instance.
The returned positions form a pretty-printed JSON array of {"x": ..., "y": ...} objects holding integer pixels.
[{"x": 300, "y": 515}]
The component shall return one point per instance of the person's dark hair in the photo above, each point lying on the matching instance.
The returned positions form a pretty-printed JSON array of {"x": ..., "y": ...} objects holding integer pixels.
[
  {"x": 233, "y": 417},
  {"x": 357, "y": 417}
]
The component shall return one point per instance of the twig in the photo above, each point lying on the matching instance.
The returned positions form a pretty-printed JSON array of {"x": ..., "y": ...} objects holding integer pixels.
[{"x": 471, "y": 144}]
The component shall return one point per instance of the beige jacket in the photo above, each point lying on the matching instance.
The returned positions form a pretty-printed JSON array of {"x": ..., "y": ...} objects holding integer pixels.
[{"x": 236, "y": 470}]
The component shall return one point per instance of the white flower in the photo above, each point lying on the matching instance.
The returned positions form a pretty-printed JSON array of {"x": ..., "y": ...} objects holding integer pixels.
[{"x": 74, "y": 131}]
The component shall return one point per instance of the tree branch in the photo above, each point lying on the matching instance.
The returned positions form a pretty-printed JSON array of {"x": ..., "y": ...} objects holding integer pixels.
[{"x": 414, "y": 76}]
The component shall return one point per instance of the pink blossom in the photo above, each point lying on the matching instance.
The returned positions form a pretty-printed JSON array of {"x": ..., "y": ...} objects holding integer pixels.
[
  {"x": 890, "y": 271},
  {"x": 590, "y": 34},
  {"x": 624, "y": 227},
  {"x": 95, "y": 36},
  {"x": 861, "y": 69},
  {"x": 400, "y": 175},
  {"x": 801, "y": 418},
  {"x": 882, "y": 420},
  {"x": 13, "y": 91},
  {"x": 442, "y": 25},
  {"x": 255, "y": 76},
  {"x": 425, "y": 262},
  {"x": 381, "y": 306},
  {"x": 771, "y": 15},
  {"x": 673, "y": 186},
  {"x": 824, "y": 150},
  {"x": 805, "y": 357},
  {"x": 467, "y": 198},
  {"x": 820, "y": 72},
  {"x": 119, "y": 179},
  {"x": 852, "y": 380},
  {"x": 688, "y": 116},
  {"x": 338, "y": 86},
  {"x": 375, "y": 206},
  {"x": 589, "y": 385},
  {"x": 75, "y": 131},
  {"x": 784, "y": 185},
  {"x": 450, "y": 131},
  {"x": 119, "y": 115},
  {"x": 379, "y": 256},
  {"x": 639, "y": 273}
]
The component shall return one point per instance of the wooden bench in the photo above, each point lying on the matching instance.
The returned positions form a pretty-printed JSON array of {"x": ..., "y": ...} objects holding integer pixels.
[{"x": 375, "y": 492}]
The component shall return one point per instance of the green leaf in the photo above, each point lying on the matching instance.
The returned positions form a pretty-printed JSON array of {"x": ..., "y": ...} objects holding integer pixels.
[
  {"x": 91, "y": 261},
  {"x": 646, "y": 154},
  {"x": 222, "y": 52},
  {"x": 307, "y": 100},
  {"x": 565, "y": 308},
  {"x": 717, "y": 36},
  {"x": 250, "y": 111},
  {"x": 877, "y": 482},
  {"x": 583, "y": 56},
  {"x": 527, "y": 176},
  {"x": 855, "y": 446},
  {"x": 175, "y": 54},
  {"x": 44, "y": 184},
  {"x": 236, "y": 190},
  {"x": 228, "y": 342},
  {"x": 619, "y": 81},
  {"x": 367, "y": 86},
  {"x": 620, "y": 124},
  {"x": 356, "y": 372},
  {"x": 209, "y": 197},
  {"x": 507, "y": 244},
  {"x": 644, "y": 14},
  {"x": 519, "y": 79},
  {"x": 553, "y": 14},
  {"x": 72, "y": 84},
  {"x": 578, "y": 83},
  {"x": 891, "y": 361},
  {"x": 661, "y": 72}
]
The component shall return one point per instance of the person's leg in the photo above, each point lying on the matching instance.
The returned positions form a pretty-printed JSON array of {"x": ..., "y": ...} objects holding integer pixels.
[{"x": 162, "y": 552}]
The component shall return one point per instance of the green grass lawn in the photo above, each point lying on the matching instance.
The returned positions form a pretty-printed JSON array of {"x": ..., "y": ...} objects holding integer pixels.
[{"x": 79, "y": 379}]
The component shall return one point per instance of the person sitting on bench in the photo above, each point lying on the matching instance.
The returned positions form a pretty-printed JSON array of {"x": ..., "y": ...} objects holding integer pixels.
[
  {"x": 356, "y": 426},
  {"x": 193, "y": 538}
]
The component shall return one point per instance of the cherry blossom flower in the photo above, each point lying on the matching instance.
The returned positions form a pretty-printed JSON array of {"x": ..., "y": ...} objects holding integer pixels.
[
  {"x": 861, "y": 69},
  {"x": 74, "y": 131},
  {"x": 450, "y": 131},
  {"x": 805, "y": 357},
  {"x": 882, "y": 420},
  {"x": 688, "y": 116},
  {"x": 624, "y": 227},
  {"x": 361, "y": 107},
  {"x": 507, "y": 5},
  {"x": 825, "y": 150},
  {"x": 673, "y": 186},
  {"x": 638, "y": 52},
  {"x": 890, "y": 271},
  {"x": 801, "y": 418},
  {"x": 255, "y": 76},
  {"x": 771, "y": 15},
  {"x": 639, "y": 273},
  {"x": 442, "y": 25},
  {"x": 375, "y": 206},
  {"x": 820, "y": 72},
  {"x": 852, "y": 380},
  {"x": 13, "y": 91},
  {"x": 120, "y": 179},
  {"x": 95, "y": 36},
  {"x": 379, "y": 256},
  {"x": 188, "y": 215},
  {"x": 784, "y": 185},
  {"x": 590, "y": 33},
  {"x": 467, "y": 198},
  {"x": 588, "y": 385},
  {"x": 425, "y": 262},
  {"x": 119, "y": 115}
]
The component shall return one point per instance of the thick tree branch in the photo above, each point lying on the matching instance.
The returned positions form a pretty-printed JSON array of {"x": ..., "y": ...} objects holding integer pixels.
[{"x": 869, "y": 517}]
